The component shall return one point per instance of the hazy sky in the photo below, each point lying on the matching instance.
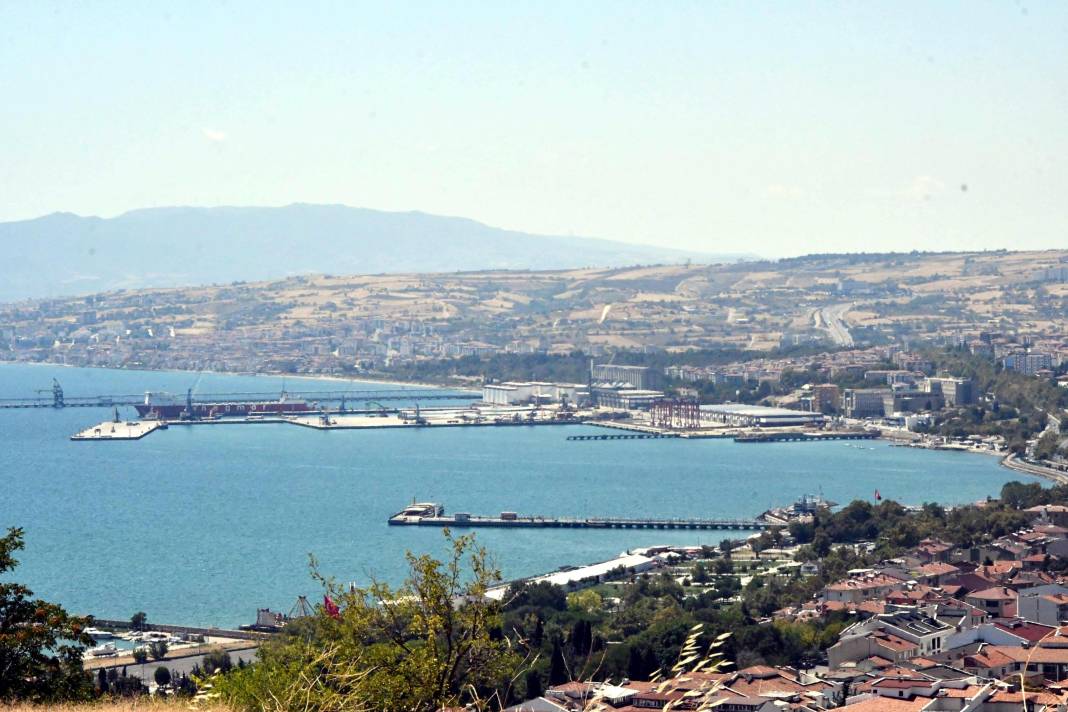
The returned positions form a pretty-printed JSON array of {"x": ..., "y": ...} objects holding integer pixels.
[{"x": 770, "y": 127}]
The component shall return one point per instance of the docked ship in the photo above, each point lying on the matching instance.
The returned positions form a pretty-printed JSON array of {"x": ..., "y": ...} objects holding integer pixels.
[{"x": 167, "y": 406}]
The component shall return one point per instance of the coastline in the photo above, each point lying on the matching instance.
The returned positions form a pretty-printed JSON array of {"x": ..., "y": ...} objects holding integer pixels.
[
  {"x": 1010, "y": 462},
  {"x": 269, "y": 374}
]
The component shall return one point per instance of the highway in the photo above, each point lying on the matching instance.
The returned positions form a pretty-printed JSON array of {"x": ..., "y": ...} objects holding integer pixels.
[{"x": 832, "y": 319}]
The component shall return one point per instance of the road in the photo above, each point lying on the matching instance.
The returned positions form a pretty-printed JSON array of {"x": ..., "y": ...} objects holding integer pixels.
[
  {"x": 835, "y": 326},
  {"x": 182, "y": 666}
]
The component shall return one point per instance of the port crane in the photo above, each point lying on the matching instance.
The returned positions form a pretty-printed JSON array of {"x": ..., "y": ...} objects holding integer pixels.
[{"x": 57, "y": 394}]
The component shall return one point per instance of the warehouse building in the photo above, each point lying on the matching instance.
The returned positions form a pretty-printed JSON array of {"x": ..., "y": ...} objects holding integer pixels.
[
  {"x": 757, "y": 416},
  {"x": 534, "y": 392}
]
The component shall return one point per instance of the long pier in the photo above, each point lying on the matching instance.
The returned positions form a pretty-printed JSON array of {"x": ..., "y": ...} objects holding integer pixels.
[
  {"x": 59, "y": 400},
  {"x": 512, "y": 520},
  {"x": 802, "y": 437},
  {"x": 624, "y": 436}
]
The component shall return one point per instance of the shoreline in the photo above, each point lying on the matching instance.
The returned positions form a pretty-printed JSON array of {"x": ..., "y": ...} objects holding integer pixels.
[
  {"x": 1010, "y": 462},
  {"x": 267, "y": 374}
]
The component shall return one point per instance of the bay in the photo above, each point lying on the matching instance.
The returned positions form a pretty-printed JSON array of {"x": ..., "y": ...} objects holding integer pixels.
[{"x": 202, "y": 525}]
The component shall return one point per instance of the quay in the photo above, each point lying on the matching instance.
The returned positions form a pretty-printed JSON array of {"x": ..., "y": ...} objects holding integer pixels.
[
  {"x": 626, "y": 436},
  {"x": 111, "y": 430},
  {"x": 803, "y": 437},
  {"x": 433, "y": 515}
]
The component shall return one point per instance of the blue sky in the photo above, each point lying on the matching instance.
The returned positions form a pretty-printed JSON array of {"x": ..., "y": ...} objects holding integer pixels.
[{"x": 776, "y": 128}]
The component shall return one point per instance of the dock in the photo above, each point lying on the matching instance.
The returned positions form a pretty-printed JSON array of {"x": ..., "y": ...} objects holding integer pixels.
[
  {"x": 430, "y": 514},
  {"x": 110, "y": 430},
  {"x": 785, "y": 437},
  {"x": 624, "y": 436}
]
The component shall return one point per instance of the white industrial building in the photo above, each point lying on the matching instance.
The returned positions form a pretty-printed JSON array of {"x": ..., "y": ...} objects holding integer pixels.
[
  {"x": 750, "y": 416},
  {"x": 528, "y": 392}
]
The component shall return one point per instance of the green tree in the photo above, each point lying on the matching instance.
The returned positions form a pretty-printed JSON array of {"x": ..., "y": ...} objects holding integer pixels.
[
  {"x": 533, "y": 684},
  {"x": 585, "y": 601},
  {"x": 41, "y": 645},
  {"x": 139, "y": 620},
  {"x": 140, "y": 655},
  {"x": 434, "y": 642},
  {"x": 217, "y": 661},
  {"x": 557, "y": 665},
  {"x": 162, "y": 676},
  {"x": 158, "y": 650}
]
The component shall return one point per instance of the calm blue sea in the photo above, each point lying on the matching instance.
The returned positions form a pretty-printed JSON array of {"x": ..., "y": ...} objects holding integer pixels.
[{"x": 203, "y": 525}]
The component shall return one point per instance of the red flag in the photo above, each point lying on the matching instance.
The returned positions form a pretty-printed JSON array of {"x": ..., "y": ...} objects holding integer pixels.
[
  {"x": 331, "y": 608},
  {"x": 877, "y": 496}
]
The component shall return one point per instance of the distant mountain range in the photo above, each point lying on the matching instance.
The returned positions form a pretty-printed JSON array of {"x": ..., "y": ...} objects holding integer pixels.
[{"x": 66, "y": 254}]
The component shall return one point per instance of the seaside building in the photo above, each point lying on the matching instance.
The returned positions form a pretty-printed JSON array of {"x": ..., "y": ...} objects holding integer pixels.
[
  {"x": 615, "y": 396},
  {"x": 534, "y": 392},
  {"x": 955, "y": 391},
  {"x": 864, "y": 402},
  {"x": 748, "y": 416},
  {"x": 640, "y": 378}
]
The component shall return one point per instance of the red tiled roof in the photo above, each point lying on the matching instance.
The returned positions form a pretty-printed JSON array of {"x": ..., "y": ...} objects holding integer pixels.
[
  {"x": 888, "y": 704},
  {"x": 997, "y": 593}
]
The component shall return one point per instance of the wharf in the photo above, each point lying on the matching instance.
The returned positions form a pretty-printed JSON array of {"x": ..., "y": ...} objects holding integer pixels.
[
  {"x": 623, "y": 436},
  {"x": 794, "y": 436},
  {"x": 122, "y": 430},
  {"x": 433, "y": 515}
]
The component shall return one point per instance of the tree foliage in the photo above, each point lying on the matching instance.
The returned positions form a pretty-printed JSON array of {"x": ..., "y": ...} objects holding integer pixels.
[
  {"x": 41, "y": 645},
  {"x": 436, "y": 641}
]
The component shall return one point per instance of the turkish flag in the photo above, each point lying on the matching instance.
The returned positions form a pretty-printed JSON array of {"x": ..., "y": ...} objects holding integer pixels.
[{"x": 331, "y": 608}]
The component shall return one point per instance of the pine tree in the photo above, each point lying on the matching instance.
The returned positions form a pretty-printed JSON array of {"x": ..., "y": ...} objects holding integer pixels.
[
  {"x": 557, "y": 665},
  {"x": 534, "y": 686}
]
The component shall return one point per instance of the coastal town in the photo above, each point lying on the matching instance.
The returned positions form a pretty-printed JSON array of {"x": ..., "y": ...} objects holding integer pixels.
[
  {"x": 940, "y": 626},
  {"x": 611, "y": 356}
]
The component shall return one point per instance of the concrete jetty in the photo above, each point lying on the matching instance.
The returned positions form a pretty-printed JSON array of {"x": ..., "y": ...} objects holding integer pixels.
[
  {"x": 433, "y": 515},
  {"x": 119, "y": 430}
]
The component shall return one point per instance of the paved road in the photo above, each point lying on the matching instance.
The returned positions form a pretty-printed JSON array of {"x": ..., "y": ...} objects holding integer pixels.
[
  {"x": 832, "y": 317},
  {"x": 179, "y": 666}
]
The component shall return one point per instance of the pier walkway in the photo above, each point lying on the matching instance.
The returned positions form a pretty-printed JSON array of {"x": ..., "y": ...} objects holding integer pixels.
[
  {"x": 623, "y": 436},
  {"x": 512, "y": 520},
  {"x": 57, "y": 399},
  {"x": 803, "y": 437}
]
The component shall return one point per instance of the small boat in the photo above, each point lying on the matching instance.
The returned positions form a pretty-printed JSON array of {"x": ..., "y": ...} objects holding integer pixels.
[{"x": 106, "y": 650}]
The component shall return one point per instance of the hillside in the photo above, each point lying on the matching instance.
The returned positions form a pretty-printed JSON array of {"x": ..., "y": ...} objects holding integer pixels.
[
  {"x": 65, "y": 254},
  {"x": 344, "y": 324}
]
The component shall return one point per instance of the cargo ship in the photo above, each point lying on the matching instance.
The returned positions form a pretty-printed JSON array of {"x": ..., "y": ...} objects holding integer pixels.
[{"x": 167, "y": 406}]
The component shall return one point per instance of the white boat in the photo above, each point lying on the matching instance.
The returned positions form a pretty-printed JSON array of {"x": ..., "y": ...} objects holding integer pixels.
[
  {"x": 100, "y": 633},
  {"x": 106, "y": 650}
]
